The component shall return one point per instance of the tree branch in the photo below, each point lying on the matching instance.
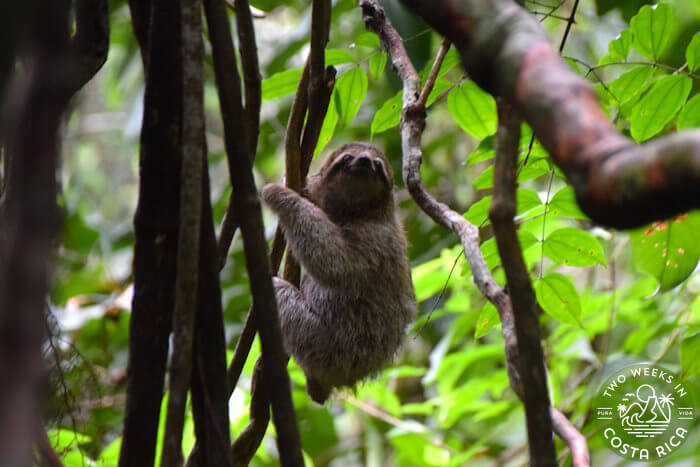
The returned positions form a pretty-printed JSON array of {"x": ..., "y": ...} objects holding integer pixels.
[
  {"x": 618, "y": 183},
  {"x": 186, "y": 279},
  {"x": 90, "y": 43},
  {"x": 535, "y": 395},
  {"x": 157, "y": 29},
  {"x": 29, "y": 216},
  {"x": 248, "y": 51},
  {"x": 248, "y": 209},
  {"x": 313, "y": 92}
]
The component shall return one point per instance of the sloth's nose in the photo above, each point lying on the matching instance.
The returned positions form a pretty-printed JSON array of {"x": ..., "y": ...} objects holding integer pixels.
[{"x": 364, "y": 161}]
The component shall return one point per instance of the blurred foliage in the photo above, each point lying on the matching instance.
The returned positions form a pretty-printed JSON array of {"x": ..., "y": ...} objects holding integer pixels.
[{"x": 610, "y": 298}]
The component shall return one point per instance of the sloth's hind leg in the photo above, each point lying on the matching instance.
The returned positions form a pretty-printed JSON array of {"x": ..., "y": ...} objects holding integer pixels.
[{"x": 302, "y": 334}]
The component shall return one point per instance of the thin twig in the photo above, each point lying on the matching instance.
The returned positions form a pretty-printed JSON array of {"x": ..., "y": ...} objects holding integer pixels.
[
  {"x": 430, "y": 82},
  {"x": 413, "y": 427}
]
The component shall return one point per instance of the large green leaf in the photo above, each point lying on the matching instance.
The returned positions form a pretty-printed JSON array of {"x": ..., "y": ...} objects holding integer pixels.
[
  {"x": 441, "y": 85},
  {"x": 377, "y": 62},
  {"x": 690, "y": 354},
  {"x": 338, "y": 57},
  {"x": 478, "y": 212},
  {"x": 530, "y": 171},
  {"x": 690, "y": 113},
  {"x": 388, "y": 115},
  {"x": 652, "y": 28},
  {"x": 328, "y": 127},
  {"x": 473, "y": 109},
  {"x": 573, "y": 247},
  {"x": 564, "y": 204},
  {"x": 630, "y": 84},
  {"x": 490, "y": 250},
  {"x": 668, "y": 250},
  {"x": 351, "y": 89},
  {"x": 526, "y": 200},
  {"x": 692, "y": 53},
  {"x": 367, "y": 39},
  {"x": 280, "y": 84},
  {"x": 558, "y": 297},
  {"x": 488, "y": 318},
  {"x": 77, "y": 235},
  {"x": 483, "y": 152},
  {"x": 619, "y": 48},
  {"x": 651, "y": 114}
]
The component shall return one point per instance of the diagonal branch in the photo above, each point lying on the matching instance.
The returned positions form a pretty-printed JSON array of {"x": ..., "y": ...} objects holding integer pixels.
[
  {"x": 617, "y": 182},
  {"x": 248, "y": 51}
]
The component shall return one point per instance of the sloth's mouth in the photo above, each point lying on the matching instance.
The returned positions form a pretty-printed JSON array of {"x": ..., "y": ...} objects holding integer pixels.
[{"x": 361, "y": 169}]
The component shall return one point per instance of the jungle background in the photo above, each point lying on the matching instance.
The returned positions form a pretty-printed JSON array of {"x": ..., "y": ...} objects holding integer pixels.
[{"x": 610, "y": 298}]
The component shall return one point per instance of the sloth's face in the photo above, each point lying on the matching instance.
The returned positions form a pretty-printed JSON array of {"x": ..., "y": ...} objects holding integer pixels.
[
  {"x": 356, "y": 181},
  {"x": 360, "y": 175}
]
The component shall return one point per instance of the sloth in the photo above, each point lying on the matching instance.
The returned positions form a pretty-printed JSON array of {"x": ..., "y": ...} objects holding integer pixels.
[{"x": 356, "y": 299}]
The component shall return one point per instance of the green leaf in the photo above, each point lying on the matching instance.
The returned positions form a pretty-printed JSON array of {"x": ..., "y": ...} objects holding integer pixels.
[
  {"x": 367, "y": 39},
  {"x": 351, "y": 90},
  {"x": 451, "y": 59},
  {"x": 484, "y": 180},
  {"x": 62, "y": 439},
  {"x": 328, "y": 127},
  {"x": 479, "y": 211},
  {"x": 336, "y": 57},
  {"x": 564, "y": 204},
  {"x": 473, "y": 109},
  {"x": 619, "y": 48},
  {"x": 558, "y": 297},
  {"x": 573, "y": 247},
  {"x": 483, "y": 152},
  {"x": 77, "y": 235},
  {"x": 692, "y": 53},
  {"x": 690, "y": 355},
  {"x": 533, "y": 169},
  {"x": 490, "y": 250},
  {"x": 629, "y": 84},
  {"x": 668, "y": 250},
  {"x": 441, "y": 85},
  {"x": 651, "y": 114},
  {"x": 429, "y": 278},
  {"x": 690, "y": 114},
  {"x": 377, "y": 63},
  {"x": 526, "y": 200},
  {"x": 488, "y": 318},
  {"x": 281, "y": 84},
  {"x": 652, "y": 28},
  {"x": 388, "y": 116}
]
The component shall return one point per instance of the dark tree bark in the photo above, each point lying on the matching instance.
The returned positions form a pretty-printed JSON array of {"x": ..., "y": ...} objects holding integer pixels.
[
  {"x": 618, "y": 183},
  {"x": 155, "y": 226},
  {"x": 52, "y": 72},
  {"x": 533, "y": 375}
]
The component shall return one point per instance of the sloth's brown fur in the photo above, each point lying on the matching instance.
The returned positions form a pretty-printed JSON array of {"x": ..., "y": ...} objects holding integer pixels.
[{"x": 356, "y": 299}]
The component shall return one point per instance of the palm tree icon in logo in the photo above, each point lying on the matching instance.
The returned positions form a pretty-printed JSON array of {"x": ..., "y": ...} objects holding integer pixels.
[{"x": 649, "y": 415}]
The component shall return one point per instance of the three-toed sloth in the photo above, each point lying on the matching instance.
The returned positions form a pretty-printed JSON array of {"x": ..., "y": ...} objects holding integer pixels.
[{"x": 356, "y": 298}]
